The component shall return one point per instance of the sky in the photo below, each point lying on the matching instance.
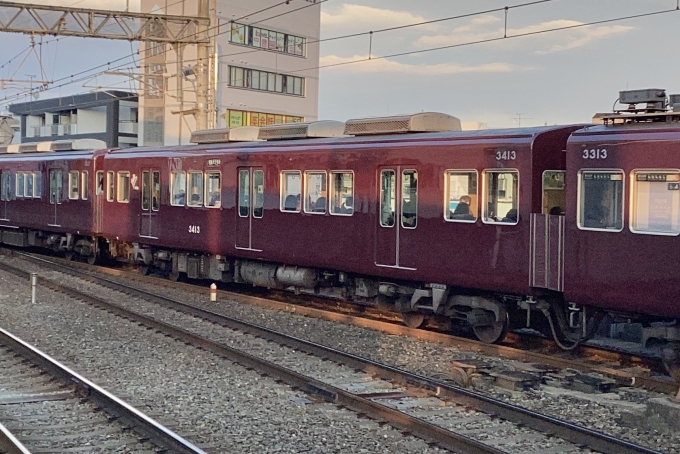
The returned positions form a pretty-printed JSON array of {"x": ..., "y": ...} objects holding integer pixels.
[{"x": 557, "y": 77}]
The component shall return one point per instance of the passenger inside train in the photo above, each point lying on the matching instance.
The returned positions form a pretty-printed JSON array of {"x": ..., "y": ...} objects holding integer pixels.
[{"x": 462, "y": 211}]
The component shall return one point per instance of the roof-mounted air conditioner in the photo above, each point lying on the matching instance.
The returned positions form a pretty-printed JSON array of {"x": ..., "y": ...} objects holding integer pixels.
[
  {"x": 315, "y": 129},
  {"x": 421, "y": 122},
  {"x": 71, "y": 145},
  {"x": 224, "y": 135}
]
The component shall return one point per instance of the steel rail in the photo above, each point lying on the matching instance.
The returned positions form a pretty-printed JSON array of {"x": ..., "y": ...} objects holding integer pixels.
[
  {"x": 142, "y": 424},
  {"x": 402, "y": 421},
  {"x": 574, "y": 433}
]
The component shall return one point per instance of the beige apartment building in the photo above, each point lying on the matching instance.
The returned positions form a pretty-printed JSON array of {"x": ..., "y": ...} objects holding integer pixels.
[{"x": 264, "y": 68}]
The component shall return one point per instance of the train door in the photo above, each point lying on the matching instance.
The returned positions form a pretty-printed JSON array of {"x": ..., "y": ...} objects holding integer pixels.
[
  {"x": 397, "y": 217},
  {"x": 151, "y": 203},
  {"x": 56, "y": 196},
  {"x": 5, "y": 186},
  {"x": 250, "y": 207}
]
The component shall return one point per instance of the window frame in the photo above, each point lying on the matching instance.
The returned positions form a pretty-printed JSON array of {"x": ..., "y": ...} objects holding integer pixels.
[
  {"x": 305, "y": 191},
  {"x": 485, "y": 194},
  {"x": 579, "y": 194},
  {"x": 37, "y": 185},
  {"x": 380, "y": 198},
  {"x": 331, "y": 190},
  {"x": 17, "y": 186},
  {"x": 173, "y": 176},
  {"x": 447, "y": 194},
  {"x": 73, "y": 177},
  {"x": 121, "y": 174},
  {"x": 632, "y": 209},
  {"x": 199, "y": 203},
  {"x": 282, "y": 198},
  {"x": 84, "y": 186},
  {"x": 205, "y": 189},
  {"x": 110, "y": 186}
]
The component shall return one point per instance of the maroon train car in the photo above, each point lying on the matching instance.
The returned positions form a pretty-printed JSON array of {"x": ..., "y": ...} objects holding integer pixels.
[
  {"x": 376, "y": 218},
  {"x": 46, "y": 197},
  {"x": 623, "y": 215}
]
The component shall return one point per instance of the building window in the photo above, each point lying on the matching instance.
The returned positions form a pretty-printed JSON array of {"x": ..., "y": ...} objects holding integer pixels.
[
  {"x": 501, "y": 196},
  {"x": 460, "y": 200},
  {"x": 73, "y": 191},
  {"x": 655, "y": 202},
  {"x": 600, "y": 198},
  {"x": 261, "y": 38},
  {"x": 124, "y": 186},
  {"x": 342, "y": 193},
  {"x": 260, "y": 80},
  {"x": 315, "y": 192},
  {"x": 291, "y": 188}
]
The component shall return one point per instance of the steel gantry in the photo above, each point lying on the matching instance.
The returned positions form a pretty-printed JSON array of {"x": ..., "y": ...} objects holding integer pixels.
[{"x": 91, "y": 23}]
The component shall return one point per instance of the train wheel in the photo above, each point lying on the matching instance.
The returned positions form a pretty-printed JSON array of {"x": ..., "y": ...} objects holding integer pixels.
[
  {"x": 492, "y": 334},
  {"x": 70, "y": 255},
  {"x": 413, "y": 319},
  {"x": 173, "y": 276},
  {"x": 143, "y": 270}
]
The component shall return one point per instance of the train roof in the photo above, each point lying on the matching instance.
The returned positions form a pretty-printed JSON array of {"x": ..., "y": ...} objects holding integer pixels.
[{"x": 527, "y": 134}]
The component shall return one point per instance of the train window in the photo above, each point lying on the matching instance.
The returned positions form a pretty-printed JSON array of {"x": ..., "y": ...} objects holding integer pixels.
[
  {"x": 195, "y": 188},
  {"x": 20, "y": 184},
  {"x": 500, "y": 196},
  {"x": 146, "y": 193},
  {"x": 109, "y": 186},
  {"x": 600, "y": 196},
  {"x": 213, "y": 189},
  {"x": 123, "y": 187},
  {"x": 178, "y": 184},
  {"x": 291, "y": 188},
  {"x": 409, "y": 199},
  {"x": 73, "y": 190},
  {"x": 388, "y": 189},
  {"x": 156, "y": 190},
  {"x": 37, "y": 184},
  {"x": 84, "y": 187},
  {"x": 258, "y": 193},
  {"x": 342, "y": 193},
  {"x": 243, "y": 193},
  {"x": 315, "y": 192},
  {"x": 460, "y": 198},
  {"x": 56, "y": 187},
  {"x": 5, "y": 182},
  {"x": 28, "y": 180},
  {"x": 655, "y": 202},
  {"x": 554, "y": 196},
  {"x": 100, "y": 183}
]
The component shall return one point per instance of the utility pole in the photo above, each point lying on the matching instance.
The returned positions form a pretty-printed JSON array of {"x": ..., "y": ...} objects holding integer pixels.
[{"x": 203, "y": 68}]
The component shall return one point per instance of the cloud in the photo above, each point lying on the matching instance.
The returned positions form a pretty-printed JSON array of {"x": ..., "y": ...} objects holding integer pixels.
[
  {"x": 570, "y": 38},
  {"x": 366, "y": 17},
  {"x": 384, "y": 65}
]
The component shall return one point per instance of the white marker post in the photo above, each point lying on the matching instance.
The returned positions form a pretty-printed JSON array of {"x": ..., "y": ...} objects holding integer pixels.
[
  {"x": 213, "y": 292},
  {"x": 34, "y": 282}
]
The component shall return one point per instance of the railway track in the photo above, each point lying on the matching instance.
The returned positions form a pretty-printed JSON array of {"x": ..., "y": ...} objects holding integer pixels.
[
  {"x": 625, "y": 368},
  {"x": 435, "y": 411},
  {"x": 46, "y": 407}
]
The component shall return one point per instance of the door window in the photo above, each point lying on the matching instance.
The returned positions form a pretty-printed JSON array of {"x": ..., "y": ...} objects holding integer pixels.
[
  {"x": 258, "y": 193},
  {"x": 409, "y": 199},
  {"x": 554, "y": 197},
  {"x": 156, "y": 191},
  {"x": 388, "y": 189},
  {"x": 243, "y": 193}
]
